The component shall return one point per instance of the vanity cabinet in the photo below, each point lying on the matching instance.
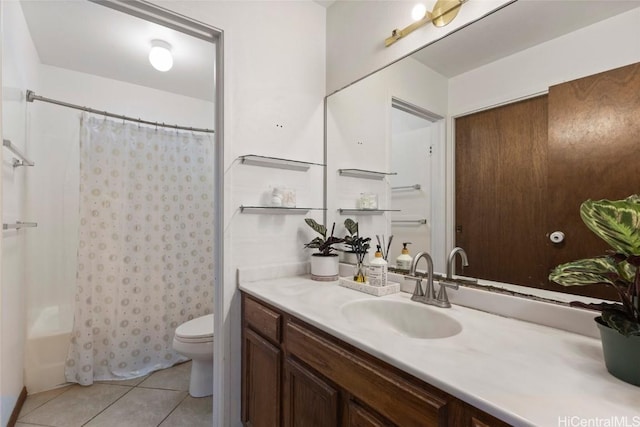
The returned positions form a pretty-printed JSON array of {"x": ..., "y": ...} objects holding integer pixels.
[
  {"x": 261, "y": 365},
  {"x": 303, "y": 377}
]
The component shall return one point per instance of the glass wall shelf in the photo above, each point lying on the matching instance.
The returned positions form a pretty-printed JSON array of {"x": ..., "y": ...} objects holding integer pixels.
[
  {"x": 361, "y": 173},
  {"x": 365, "y": 211},
  {"x": 276, "y": 210},
  {"x": 274, "y": 162}
]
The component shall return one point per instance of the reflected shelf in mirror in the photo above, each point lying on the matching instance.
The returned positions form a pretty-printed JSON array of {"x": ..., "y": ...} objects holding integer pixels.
[
  {"x": 365, "y": 211},
  {"x": 366, "y": 174},
  {"x": 422, "y": 221},
  {"x": 276, "y": 210},
  {"x": 275, "y": 162},
  {"x": 407, "y": 187}
]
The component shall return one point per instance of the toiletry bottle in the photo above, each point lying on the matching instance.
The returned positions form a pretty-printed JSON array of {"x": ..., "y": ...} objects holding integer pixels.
[
  {"x": 378, "y": 270},
  {"x": 403, "y": 262}
]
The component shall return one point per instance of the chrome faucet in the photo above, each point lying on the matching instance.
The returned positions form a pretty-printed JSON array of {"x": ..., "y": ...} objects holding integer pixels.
[
  {"x": 428, "y": 296},
  {"x": 442, "y": 299},
  {"x": 452, "y": 258},
  {"x": 418, "y": 294}
]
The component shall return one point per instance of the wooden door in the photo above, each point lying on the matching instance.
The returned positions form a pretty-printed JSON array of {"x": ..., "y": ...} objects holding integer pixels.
[
  {"x": 501, "y": 173},
  {"x": 308, "y": 400},
  {"x": 594, "y": 153},
  {"x": 260, "y": 382}
]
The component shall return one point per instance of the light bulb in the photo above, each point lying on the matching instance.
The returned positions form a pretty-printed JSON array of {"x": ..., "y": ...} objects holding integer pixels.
[
  {"x": 160, "y": 55},
  {"x": 418, "y": 12}
]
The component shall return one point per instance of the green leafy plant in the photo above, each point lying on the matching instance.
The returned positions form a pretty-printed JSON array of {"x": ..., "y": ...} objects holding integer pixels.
[
  {"x": 359, "y": 246},
  {"x": 323, "y": 244},
  {"x": 618, "y": 224}
]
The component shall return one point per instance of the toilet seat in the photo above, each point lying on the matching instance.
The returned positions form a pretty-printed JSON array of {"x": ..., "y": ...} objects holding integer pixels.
[{"x": 198, "y": 330}]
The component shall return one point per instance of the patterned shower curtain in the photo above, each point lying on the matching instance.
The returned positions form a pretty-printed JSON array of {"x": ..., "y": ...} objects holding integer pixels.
[{"x": 145, "y": 262}]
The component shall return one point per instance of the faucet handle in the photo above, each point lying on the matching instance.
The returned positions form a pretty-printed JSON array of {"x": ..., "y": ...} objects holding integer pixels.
[
  {"x": 417, "y": 291},
  {"x": 449, "y": 284},
  {"x": 442, "y": 300}
]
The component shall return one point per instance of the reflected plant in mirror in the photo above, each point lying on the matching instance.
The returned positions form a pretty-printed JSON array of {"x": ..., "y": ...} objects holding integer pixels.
[{"x": 359, "y": 247}]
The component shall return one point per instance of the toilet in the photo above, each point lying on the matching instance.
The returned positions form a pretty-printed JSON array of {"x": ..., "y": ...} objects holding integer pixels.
[{"x": 194, "y": 339}]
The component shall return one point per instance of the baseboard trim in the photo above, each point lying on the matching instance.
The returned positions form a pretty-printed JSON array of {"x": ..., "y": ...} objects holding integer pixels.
[{"x": 16, "y": 410}]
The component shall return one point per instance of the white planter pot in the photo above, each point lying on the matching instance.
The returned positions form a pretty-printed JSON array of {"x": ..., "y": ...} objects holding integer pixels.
[
  {"x": 324, "y": 268},
  {"x": 349, "y": 257}
]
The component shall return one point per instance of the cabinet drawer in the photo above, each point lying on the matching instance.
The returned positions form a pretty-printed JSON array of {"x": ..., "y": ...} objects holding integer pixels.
[
  {"x": 262, "y": 320},
  {"x": 393, "y": 397}
]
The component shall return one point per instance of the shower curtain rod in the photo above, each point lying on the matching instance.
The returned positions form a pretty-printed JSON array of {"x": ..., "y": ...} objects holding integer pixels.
[{"x": 31, "y": 96}]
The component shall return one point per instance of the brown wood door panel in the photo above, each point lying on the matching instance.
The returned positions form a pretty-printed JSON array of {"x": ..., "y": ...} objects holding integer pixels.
[
  {"x": 501, "y": 173},
  {"x": 358, "y": 416},
  {"x": 308, "y": 400},
  {"x": 394, "y": 398},
  {"x": 260, "y": 381},
  {"x": 594, "y": 152}
]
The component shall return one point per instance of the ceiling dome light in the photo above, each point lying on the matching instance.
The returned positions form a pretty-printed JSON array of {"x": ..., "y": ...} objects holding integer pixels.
[
  {"x": 418, "y": 12},
  {"x": 160, "y": 55}
]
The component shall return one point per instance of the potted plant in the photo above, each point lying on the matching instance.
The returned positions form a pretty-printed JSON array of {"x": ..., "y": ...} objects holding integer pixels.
[
  {"x": 359, "y": 247},
  {"x": 324, "y": 263},
  {"x": 618, "y": 224}
]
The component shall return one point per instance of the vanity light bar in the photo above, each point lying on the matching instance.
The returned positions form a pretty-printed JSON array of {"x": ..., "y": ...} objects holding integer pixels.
[{"x": 442, "y": 14}]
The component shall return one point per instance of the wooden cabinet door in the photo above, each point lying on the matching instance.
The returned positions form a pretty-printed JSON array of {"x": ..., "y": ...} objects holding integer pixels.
[
  {"x": 261, "y": 375},
  {"x": 358, "y": 416},
  {"x": 308, "y": 400}
]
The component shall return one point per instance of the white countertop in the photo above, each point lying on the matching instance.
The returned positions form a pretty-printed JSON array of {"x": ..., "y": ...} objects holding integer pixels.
[{"x": 523, "y": 373}]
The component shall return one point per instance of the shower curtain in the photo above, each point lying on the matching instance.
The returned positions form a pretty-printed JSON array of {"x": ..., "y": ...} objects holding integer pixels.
[{"x": 145, "y": 245}]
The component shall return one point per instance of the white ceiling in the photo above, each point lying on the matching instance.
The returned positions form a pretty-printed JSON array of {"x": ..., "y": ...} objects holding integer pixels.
[
  {"x": 518, "y": 26},
  {"x": 90, "y": 38},
  {"x": 83, "y": 36}
]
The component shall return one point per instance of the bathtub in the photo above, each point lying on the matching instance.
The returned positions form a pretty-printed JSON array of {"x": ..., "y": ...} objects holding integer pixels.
[{"x": 46, "y": 348}]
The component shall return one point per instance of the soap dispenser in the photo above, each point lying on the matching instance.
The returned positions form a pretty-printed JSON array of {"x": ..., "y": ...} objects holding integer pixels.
[
  {"x": 403, "y": 262},
  {"x": 378, "y": 270}
]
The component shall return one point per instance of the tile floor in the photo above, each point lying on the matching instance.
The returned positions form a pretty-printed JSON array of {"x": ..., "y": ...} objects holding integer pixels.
[{"x": 157, "y": 400}]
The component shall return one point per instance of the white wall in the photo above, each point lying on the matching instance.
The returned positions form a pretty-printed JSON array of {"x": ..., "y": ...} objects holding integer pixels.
[
  {"x": 356, "y": 31},
  {"x": 411, "y": 159},
  {"x": 19, "y": 70},
  {"x": 274, "y": 88},
  {"x": 359, "y": 136},
  {"x": 609, "y": 44}
]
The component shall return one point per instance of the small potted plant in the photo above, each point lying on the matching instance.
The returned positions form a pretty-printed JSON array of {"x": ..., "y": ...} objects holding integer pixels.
[
  {"x": 618, "y": 224},
  {"x": 359, "y": 247},
  {"x": 324, "y": 263}
]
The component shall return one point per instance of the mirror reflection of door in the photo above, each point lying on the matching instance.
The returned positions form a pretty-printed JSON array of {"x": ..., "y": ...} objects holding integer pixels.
[
  {"x": 523, "y": 169},
  {"x": 415, "y": 135}
]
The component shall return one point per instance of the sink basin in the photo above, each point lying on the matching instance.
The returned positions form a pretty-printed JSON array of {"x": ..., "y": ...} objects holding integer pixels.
[{"x": 410, "y": 319}]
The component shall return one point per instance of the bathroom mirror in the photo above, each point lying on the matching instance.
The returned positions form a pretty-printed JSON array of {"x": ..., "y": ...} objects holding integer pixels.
[{"x": 513, "y": 54}]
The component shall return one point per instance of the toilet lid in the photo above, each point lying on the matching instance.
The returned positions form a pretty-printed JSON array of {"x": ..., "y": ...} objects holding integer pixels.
[{"x": 200, "y": 327}]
